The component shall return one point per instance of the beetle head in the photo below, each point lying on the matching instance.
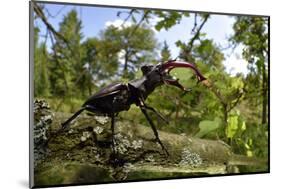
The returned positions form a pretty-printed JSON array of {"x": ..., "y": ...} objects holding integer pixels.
[{"x": 160, "y": 73}]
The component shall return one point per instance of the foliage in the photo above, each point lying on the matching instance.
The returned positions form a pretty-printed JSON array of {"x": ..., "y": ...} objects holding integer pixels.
[
  {"x": 208, "y": 126},
  {"x": 132, "y": 46},
  {"x": 252, "y": 32},
  {"x": 41, "y": 76},
  {"x": 67, "y": 66},
  {"x": 165, "y": 52},
  {"x": 168, "y": 19}
]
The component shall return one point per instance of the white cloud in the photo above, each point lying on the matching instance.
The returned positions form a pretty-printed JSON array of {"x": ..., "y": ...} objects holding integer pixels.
[
  {"x": 235, "y": 64},
  {"x": 153, "y": 21},
  {"x": 118, "y": 24},
  {"x": 121, "y": 56}
]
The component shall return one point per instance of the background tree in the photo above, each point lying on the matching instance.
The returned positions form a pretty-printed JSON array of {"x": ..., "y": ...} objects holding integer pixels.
[
  {"x": 252, "y": 32},
  {"x": 41, "y": 72},
  {"x": 134, "y": 46},
  {"x": 67, "y": 64},
  {"x": 165, "y": 52},
  {"x": 90, "y": 63}
]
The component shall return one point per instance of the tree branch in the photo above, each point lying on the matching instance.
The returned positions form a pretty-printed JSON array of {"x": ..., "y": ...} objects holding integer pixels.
[
  {"x": 39, "y": 12},
  {"x": 130, "y": 13},
  {"x": 195, "y": 22},
  {"x": 57, "y": 13},
  {"x": 197, "y": 34},
  {"x": 139, "y": 23},
  {"x": 236, "y": 102}
]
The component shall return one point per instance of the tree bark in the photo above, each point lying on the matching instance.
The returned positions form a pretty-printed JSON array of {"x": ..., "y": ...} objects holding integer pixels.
[
  {"x": 135, "y": 143},
  {"x": 84, "y": 154}
]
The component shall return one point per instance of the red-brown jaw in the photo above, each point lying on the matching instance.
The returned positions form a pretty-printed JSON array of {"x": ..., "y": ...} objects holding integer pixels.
[{"x": 168, "y": 79}]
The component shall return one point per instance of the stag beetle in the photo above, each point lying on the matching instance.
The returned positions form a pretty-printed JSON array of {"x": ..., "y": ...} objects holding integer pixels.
[{"x": 118, "y": 97}]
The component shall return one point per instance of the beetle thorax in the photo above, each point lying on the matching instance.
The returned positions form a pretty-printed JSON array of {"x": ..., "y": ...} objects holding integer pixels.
[{"x": 152, "y": 81}]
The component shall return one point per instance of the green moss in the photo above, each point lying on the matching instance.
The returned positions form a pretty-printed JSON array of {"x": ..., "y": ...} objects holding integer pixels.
[
  {"x": 70, "y": 172},
  {"x": 136, "y": 175}
]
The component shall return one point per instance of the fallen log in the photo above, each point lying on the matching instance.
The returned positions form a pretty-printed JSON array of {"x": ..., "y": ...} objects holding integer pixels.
[{"x": 87, "y": 146}]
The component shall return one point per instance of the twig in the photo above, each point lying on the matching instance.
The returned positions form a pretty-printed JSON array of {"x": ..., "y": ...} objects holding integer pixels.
[
  {"x": 195, "y": 23},
  {"x": 40, "y": 13},
  {"x": 196, "y": 35},
  {"x": 236, "y": 102},
  {"x": 138, "y": 24},
  {"x": 187, "y": 48},
  {"x": 130, "y": 13},
  {"x": 54, "y": 16},
  {"x": 57, "y": 35},
  {"x": 239, "y": 98}
]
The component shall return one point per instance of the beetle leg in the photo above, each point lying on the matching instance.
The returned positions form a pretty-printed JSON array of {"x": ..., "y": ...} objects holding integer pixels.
[
  {"x": 90, "y": 108},
  {"x": 154, "y": 129},
  {"x": 67, "y": 122},
  {"x": 157, "y": 113},
  {"x": 112, "y": 132}
]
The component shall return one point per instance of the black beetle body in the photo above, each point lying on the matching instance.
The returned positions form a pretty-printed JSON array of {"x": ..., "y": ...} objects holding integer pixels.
[{"x": 118, "y": 97}]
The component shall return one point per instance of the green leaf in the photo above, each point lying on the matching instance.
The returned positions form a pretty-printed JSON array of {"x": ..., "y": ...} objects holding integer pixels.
[
  {"x": 186, "y": 77},
  {"x": 237, "y": 83},
  {"x": 249, "y": 153},
  {"x": 158, "y": 26},
  {"x": 243, "y": 127},
  {"x": 208, "y": 126},
  {"x": 232, "y": 126}
]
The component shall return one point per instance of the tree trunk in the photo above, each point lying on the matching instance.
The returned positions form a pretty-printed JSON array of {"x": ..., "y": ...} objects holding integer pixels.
[
  {"x": 126, "y": 57},
  {"x": 264, "y": 95},
  {"x": 225, "y": 117}
]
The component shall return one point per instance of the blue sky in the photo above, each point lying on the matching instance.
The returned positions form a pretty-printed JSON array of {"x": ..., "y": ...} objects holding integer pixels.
[{"x": 95, "y": 19}]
